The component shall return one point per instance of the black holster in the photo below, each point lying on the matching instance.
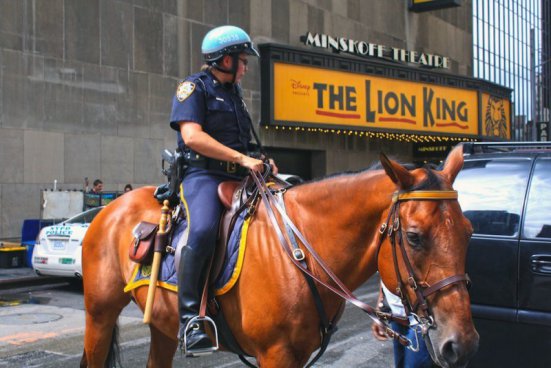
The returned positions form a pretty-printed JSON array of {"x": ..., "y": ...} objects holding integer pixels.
[{"x": 176, "y": 167}]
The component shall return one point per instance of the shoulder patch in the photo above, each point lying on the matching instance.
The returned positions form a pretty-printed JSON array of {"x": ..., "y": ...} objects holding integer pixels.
[{"x": 184, "y": 90}]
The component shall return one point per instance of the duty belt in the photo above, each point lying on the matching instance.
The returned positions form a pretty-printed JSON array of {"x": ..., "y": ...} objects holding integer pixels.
[{"x": 196, "y": 160}]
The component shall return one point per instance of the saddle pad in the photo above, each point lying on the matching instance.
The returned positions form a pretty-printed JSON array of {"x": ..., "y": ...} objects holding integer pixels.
[
  {"x": 233, "y": 262},
  {"x": 167, "y": 275}
]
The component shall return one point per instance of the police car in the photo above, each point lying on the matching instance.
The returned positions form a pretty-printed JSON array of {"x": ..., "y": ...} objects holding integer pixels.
[{"x": 58, "y": 248}]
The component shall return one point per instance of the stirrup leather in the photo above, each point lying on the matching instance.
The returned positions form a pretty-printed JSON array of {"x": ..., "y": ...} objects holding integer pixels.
[{"x": 193, "y": 323}]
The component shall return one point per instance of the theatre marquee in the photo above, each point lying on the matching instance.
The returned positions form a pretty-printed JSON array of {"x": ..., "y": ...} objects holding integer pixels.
[{"x": 333, "y": 92}]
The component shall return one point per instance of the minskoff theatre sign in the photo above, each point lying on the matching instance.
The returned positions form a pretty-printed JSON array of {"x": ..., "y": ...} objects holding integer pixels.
[{"x": 366, "y": 49}]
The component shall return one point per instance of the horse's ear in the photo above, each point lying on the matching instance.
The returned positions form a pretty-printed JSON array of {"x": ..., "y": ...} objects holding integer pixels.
[
  {"x": 397, "y": 173},
  {"x": 454, "y": 163}
]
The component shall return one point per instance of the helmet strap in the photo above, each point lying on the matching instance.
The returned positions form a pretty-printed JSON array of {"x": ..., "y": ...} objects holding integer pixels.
[
  {"x": 234, "y": 66},
  {"x": 233, "y": 70},
  {"x": 216, "y": 66}
]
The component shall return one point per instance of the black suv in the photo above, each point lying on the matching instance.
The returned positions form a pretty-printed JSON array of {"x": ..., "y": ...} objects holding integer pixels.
[{"x": 505, "y": 191}]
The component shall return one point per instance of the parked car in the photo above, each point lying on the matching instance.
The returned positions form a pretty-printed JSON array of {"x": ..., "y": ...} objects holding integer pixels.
[
  {"x": 58, "y": 248},
  {"x": 290, "y": 178},
  {"x": 505, "y": 191}
]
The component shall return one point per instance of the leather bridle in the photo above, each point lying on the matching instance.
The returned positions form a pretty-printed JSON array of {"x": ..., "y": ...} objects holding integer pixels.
[{"x": 391, "y": 228}]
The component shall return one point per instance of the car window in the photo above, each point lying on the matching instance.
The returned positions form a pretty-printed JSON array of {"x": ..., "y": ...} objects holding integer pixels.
[
  {"x": 84, "y": 217},
  {"x": 538, "y": 209},
  {"x": 491, "y": 194}
]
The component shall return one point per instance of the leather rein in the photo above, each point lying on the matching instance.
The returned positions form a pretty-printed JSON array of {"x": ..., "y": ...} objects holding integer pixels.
[{"x": 390, "y": 228}]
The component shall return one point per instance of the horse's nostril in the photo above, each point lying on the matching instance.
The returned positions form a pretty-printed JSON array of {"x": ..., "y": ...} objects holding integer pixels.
[
  {"x": 458, "y": 354},
  {"x": 451, "y": 351}
]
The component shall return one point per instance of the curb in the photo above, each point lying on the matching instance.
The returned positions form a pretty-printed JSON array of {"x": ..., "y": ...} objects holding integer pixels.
[{"x": 23, "y": 281}]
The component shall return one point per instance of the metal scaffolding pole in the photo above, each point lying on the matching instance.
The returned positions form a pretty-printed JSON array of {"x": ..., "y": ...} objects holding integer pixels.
[{"x": 533, "y": 135}]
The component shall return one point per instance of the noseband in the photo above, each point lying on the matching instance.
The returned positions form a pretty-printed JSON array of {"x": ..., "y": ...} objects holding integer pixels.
[{"x": 392, "y": 227}]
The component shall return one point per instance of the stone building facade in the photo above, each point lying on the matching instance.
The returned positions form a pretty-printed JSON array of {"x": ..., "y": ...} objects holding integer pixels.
[{"x": 86, "y": 86}]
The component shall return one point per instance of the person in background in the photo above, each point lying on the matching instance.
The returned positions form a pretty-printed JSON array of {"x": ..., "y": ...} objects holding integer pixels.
[
  {"x": 97, "y": 187},
  {"x": 403, "y": 357},
  {"x": 213, "y": 129},
  {"x": 127, "y": 188}
]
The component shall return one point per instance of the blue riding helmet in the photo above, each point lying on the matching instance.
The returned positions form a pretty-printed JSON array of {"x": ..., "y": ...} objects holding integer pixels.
[{"x": 226, "y": 40}]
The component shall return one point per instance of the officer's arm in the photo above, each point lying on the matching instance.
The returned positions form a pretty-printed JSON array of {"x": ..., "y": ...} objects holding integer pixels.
[{"x": 195, "y": 138}]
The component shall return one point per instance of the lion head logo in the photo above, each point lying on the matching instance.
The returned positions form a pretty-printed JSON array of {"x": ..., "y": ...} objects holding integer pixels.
[{"x": 495, "y": 120}]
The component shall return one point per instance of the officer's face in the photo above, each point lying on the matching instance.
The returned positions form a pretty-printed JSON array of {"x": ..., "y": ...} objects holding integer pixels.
[{"x": 241, "y": 67}]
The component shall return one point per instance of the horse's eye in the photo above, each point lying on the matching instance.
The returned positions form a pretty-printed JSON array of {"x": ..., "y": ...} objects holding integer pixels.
[{"x": 413, "y": 239}]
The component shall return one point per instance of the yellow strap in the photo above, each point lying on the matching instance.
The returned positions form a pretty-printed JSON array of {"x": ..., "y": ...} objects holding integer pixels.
[
  {"x": 425, "y": 194},
  {"x": 12, "y": 249}
]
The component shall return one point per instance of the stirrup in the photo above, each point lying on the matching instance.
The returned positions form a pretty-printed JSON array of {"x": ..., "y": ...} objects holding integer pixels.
[{"x": 205, "y": 351}]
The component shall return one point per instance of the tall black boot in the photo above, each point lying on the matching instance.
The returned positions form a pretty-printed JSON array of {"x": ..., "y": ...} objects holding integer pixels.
[{"x": 191, "y": 278}]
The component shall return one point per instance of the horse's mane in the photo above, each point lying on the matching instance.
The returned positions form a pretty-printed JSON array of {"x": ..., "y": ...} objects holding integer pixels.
[
  {"x": 432, "y": 181},
  {"x": 376, "y": 165},
  {"x": 330, "y": 176}
]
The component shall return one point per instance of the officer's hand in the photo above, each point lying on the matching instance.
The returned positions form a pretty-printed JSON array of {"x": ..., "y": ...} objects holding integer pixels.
[
  {"x": 252, "y": 164},
  {"x": 275, "y": 170},
  {"x": 379, "y": 332},
  {"x": 271, "y": 161}
]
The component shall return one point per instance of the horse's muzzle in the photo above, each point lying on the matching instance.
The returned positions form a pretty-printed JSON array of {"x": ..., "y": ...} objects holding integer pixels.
[{"x": 454, "y": 351}]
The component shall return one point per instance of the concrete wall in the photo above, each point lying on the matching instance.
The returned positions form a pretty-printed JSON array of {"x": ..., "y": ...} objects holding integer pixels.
[{"x": 86, "y": 86}]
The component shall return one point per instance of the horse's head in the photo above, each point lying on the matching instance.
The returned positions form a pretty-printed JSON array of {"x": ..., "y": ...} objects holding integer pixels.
[{"x": 433, "y": 235}]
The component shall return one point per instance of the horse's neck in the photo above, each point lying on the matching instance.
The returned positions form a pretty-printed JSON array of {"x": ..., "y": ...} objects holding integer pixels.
[{"x": 340, "y": 217}]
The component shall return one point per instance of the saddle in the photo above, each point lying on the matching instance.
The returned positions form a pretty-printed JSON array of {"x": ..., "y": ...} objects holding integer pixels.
[{"x": 235, "y": 196}]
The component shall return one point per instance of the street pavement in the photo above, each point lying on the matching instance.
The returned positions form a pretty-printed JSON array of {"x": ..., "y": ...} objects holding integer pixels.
[{"x": 43, "y": 326}]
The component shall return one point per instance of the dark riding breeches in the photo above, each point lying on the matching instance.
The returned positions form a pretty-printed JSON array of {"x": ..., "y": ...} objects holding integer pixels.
[{"x": 203, "y": 208}]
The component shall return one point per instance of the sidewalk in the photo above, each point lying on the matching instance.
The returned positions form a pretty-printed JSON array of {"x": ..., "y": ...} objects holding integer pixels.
[
  {"x": 16, "y": 275},
  {"x": 11, "y": 277}
]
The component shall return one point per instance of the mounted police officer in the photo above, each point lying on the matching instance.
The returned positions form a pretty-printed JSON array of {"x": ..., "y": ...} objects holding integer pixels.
[{"x": 214, "y": 130}]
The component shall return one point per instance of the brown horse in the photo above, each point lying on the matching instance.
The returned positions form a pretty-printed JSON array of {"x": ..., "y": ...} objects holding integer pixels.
[{"x": 270, "y": 309}]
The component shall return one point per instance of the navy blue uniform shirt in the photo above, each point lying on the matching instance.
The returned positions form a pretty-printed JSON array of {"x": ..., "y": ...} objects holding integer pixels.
[{"x": 219, "y": 109}]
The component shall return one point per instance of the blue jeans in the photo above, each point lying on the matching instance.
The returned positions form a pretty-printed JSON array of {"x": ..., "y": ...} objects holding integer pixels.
[{"x": 405, "y": 358}]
